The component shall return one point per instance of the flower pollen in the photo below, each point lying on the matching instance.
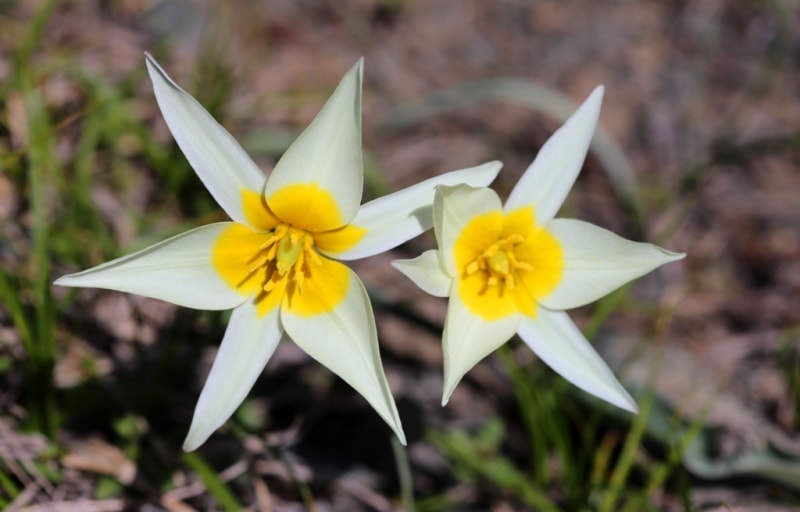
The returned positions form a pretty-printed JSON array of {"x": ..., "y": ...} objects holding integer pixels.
[
  {"x": 286, "y": 254},
  {"x": 499, "y": 262},
  {"x": 505, "y": 263}
]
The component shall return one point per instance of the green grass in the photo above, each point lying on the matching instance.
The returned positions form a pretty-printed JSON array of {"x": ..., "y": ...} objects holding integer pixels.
[{"x": 583, "y": 455}]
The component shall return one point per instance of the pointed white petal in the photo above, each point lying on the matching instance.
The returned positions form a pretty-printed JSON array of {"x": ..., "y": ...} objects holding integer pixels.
[
  {"x": 427, "y": 272},
  {"x": 177, "y": 270},
  {"x": 328, "y": 152},
  {"x": 346, "y": 341},
  {"x": 220, "y": 162},
  {"x": 453, "y": 209},
  {"x": 248, "y": 344},
  {"x": 549, "y": 178},
  {"x": 396, "y": 218},
  {"x": 467, "y": 339},
  {"x": 559, "y": 343},
  {"x": 597, "y": 262}
]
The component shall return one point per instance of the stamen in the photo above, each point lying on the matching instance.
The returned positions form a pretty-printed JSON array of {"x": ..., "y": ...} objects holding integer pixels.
[
  {"x": 285, "y": 254},
  {"x": 500, "y": 263},
  {"x": 260, "y": 263},
  {"x": 272, "y": 282}
]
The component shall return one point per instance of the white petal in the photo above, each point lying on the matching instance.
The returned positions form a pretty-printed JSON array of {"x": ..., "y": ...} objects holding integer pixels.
[
  {"x": 453, "y": 209},
  {"x": 559, "y": 343},
  {"x": 549, "y": 178},
  {"x": 220, "y": 162},
  {"x": 248, "y": 344},
  {"x": 346, "y": 341},
  {"x": 396, "y": 218},
  {"x": 427, "y": 272},
  {"x": 177, "y": 270},
  {"x": 597, "y": 262},
  {"x": 467, "y": 339},
  {"x": 328, "y": 152}
]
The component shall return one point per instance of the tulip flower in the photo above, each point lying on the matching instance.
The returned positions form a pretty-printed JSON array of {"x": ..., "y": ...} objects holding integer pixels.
[
  {"x": 514, "y": 269},
  {"x": 277, "y": 262}
]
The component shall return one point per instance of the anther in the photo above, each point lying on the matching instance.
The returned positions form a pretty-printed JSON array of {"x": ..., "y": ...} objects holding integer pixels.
[{"x": 499, "y": 262}]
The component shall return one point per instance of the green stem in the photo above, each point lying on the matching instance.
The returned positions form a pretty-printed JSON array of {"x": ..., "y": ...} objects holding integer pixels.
[{"x": 404, "y": 474}]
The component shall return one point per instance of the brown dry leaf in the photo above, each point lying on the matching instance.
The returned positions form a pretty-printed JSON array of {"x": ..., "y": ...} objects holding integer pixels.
[
  {"x": 8, "y": 198},
  {"x": 279, "y": 469},
  {"x": 358, "y": 485},
  {"x": 97, "y": 456},
  {"x": 18, "y": 453},
  {"x": 113, "y": 505},
  {"x": 173, "y": 499},
  {"x": 17, "y": 120},
  {"x": 716, "y": 384},
  {"x": 263, "y": 496},
  {"x": 173, "y": 504},
  {"x": 80, "y": 363}
]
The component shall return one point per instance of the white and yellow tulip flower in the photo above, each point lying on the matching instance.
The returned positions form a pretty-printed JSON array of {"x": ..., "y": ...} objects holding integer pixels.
[
  {"x": 276, "y": 262},
  {"x": 515, "y": 269}
]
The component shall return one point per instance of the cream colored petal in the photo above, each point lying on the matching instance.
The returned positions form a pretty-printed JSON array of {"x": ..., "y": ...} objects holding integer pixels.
[
  {"x": 549, "y": 178},
  {"x": 220, "y": 162},
  {"x": 328, "y": 153},
  {"x": 559, "y": 343},
  {"x": 346, "y": 341},
  {"x": 427, "y": 272},
  {"x": 248, "y": 344},
  {"x": 597, "y": 262},
  {"x": 177, "y": 270},
  {"x": 453, "y": 209},
  {"x": 396, "y": 218},
  {"x": 467, "y": 339}
]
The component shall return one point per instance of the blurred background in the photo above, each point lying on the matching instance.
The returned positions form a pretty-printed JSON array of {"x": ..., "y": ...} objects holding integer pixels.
[{"x": 698, "y": 150}]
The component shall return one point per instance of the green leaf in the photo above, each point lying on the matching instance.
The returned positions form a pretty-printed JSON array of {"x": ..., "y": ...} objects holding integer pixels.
[{"x": 215, "y": 486}]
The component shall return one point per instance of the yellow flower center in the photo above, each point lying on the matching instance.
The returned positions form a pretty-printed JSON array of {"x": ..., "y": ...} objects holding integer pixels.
[
  {"x": 505, "y": 263},
  {"x": 288, "y": 254},
  {"x": 499, "y": 262},
  {"x": 277, "y": 261}
]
